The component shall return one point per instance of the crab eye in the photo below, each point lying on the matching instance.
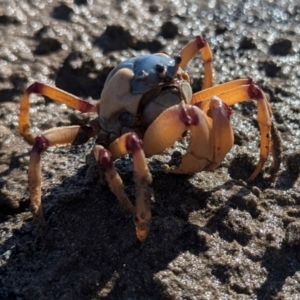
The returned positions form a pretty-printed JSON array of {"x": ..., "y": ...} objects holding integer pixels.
[
  {"x": 126, "y": 119},
  {"x": 161, "y": 71},
  {"x": 177, "y": 59},
  {"x": 160, "y": 68}
]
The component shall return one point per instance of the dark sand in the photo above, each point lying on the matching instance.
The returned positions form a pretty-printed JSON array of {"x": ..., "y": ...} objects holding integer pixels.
[{"x": 213, "y": 236}]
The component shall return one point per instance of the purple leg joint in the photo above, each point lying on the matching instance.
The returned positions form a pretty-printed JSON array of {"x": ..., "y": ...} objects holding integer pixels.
[
  {"x": 133, "y": 143},
  {"x": 254, "y": 91},
  {"x": 201, "y": 42},
  {"x": 190, "y": 118},
  {"x": 41, "y": 144},
  {"x": 105, "y": 160}
]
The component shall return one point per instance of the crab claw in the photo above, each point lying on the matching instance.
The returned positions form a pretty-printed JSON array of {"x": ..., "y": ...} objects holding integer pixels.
[{"x": 208, "y": 145}]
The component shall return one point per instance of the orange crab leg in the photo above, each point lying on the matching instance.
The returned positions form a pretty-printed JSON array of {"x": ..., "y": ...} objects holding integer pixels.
[
  {"x": 221, "y": 131},
  {"x": 243, "y": 93},
  {"x": 217, "y": 90},
  {"x": 57, "y": 136},
  {"x": 129, "y": 143},
  {"x": 104, "y": 159},
  {"x": 51, "y": 92},
  {"x": 199, "y": 44}
]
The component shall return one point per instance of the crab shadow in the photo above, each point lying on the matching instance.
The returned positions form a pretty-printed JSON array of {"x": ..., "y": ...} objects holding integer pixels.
[
  {"x": 7, "y": 204},
  {"x": 287, "y": 179},
  {"x": 88, "y": 249},
  {"x": 280, "y": 264}
]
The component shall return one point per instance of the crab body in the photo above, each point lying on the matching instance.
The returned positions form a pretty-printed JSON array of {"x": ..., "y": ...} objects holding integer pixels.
[
  {"x": 146, "y": 105},
  {"x": 138, "y": 90}
]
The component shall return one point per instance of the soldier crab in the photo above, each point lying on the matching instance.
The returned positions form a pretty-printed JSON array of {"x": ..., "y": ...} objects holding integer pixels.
[{"x": 146, "y": 105}]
